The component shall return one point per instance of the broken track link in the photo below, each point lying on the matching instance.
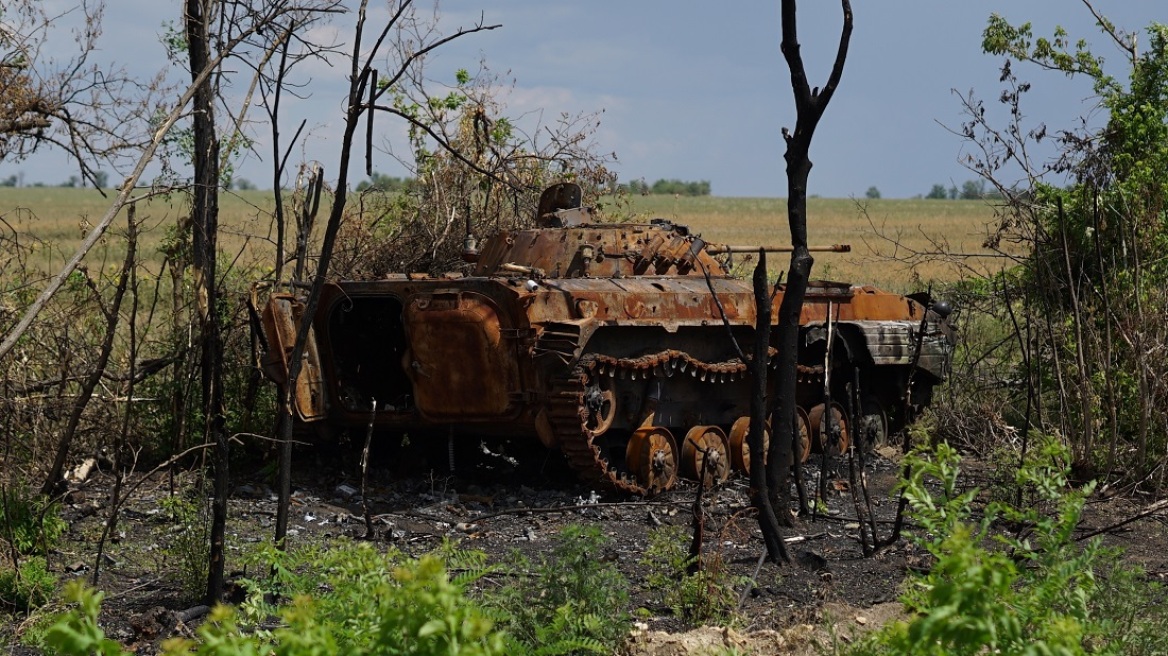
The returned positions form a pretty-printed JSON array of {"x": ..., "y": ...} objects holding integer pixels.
[{"x": 568, "y": 412}]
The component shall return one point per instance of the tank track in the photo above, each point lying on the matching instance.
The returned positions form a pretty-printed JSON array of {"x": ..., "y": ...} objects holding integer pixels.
[
  {"x": 568, "y": 415},
  {"x": 568, "y": 412}
]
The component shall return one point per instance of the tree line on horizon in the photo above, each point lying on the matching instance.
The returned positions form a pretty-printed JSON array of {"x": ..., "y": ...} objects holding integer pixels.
[
  {"x": 969, "y": 190},
  {"x": 664, "y": 187}
]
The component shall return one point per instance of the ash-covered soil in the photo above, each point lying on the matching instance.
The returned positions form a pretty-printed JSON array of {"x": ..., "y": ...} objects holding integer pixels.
[{"x": 499, "y": 505}]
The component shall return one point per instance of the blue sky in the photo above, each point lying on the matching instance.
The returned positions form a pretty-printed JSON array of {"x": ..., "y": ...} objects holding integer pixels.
[{"x": 699, "y": 90}]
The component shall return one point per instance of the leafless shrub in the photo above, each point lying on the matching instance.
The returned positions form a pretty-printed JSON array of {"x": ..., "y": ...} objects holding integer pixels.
[{"x": 474, "y": 171}]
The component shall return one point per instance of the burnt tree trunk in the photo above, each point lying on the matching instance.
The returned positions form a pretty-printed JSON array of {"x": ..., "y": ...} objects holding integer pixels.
[
  {"x": 809, "y": 106},
  {"x": 360, "y": 79},
  {"x": 205, "y": 226},
  {"x": 768, "y": 523}
]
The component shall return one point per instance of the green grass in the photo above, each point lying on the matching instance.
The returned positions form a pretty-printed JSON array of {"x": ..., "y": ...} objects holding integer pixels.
[{"x": 62, "y": 216}]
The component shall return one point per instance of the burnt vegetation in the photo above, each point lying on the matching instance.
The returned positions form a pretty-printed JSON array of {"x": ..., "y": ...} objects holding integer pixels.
[{"x": 134, "y": 403}]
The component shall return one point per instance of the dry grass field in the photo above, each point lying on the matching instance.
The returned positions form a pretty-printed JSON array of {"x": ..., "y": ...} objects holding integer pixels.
[
  {"x": 868, "y": 225},
  {"x": 61, "y": 216},
  {"x": 58, "y": 218}
]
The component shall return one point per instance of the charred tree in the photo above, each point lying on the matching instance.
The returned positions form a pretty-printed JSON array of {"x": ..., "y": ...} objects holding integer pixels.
[
  {"x": 204, "y": 239},
  {"x": 760, "y": 498},
  {"x": 809, "y": 106}
]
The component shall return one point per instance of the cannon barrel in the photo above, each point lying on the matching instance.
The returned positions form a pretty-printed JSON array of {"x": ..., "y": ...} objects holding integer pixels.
[{"x": 718, "y": 249}]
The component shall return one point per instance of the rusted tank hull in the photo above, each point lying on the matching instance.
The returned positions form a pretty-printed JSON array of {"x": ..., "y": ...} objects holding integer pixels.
[
  {"x": 485, "y": 355},
  {"x": 611, "y": 343}
]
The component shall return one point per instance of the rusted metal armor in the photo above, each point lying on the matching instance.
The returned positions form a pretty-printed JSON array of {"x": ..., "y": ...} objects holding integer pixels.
[{"x": 607, "y": 342}]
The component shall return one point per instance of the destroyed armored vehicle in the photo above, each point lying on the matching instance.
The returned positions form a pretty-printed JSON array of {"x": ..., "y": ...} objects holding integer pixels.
[{"x": 605, "y": 341}]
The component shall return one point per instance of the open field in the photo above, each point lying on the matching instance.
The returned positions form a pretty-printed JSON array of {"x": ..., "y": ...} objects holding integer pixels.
[
  {"x": 61, "y": 216},
  {"x": 754, "y": 221}
]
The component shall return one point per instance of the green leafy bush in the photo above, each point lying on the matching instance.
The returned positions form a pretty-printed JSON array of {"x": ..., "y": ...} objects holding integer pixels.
[
  {"x": 1129, "y": 612},
  {"x": 33, "y": 527},
  {"x": 413, "y": 608},
  {"x": 27, "y": 587},
  {"x": 570, "y": 601},
  {"x": 363, "y": 602},
  {"x": 32, "y": 524},
  {"x": 352, "y": 596},
  {"x": 703, "y": 597},
  {"x": 76, "y": 632},
  {"x": 188, "y": 543},
  {"x": 1035, "y": 591}
]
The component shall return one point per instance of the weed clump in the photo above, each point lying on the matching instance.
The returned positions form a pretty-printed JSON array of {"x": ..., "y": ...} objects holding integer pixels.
[
  {"x": 31, "y": 524},
  {"x": 349, "y": 599},
  {"x": 28, "y": 586},
  {"x": 30, "y": 528},
  {"x": 696, "y": 595},
  {"x": 1030, "y": 590},
  {"x": 571, "y": 600},
  {"x": 187, "y": 547}
]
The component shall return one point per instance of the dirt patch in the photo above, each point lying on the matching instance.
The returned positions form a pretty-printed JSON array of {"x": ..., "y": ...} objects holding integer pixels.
[
  {"x": 709, "y": 640},
  {"x": 836, "y": 624}
]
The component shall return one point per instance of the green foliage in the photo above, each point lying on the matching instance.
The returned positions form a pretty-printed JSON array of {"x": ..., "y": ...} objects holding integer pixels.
[
  {"x": 872, "y": 194},
  {"x": 384, "y": 183},
  {"x": 188, "y": 542},
  {"x": 356, "y": 598},
  {"x": 32, "y": 524},
  {"x": 27, "y": 587},
  {"x": 1029, "y": 593},
  {"x": 972, "y": 189},
  {"x": 174, "y": 39},
  {"x": 31, "y": 630},
  {"x": 1036, "y": 591},
  {"x": 221, "y": 635},
  {"x": 1057, "y": 52},
  {"x": 1095, "y": 244},
  {"x": 704, "y": 597},
  {"x": 680, "y": 188},
  {"x": 1130, "y": 611},
  {"x": 361, "y": 602},
  {"x": 666, "y": 558},
  {"x": 672, "y": 187},
  {"x": 969, "y": 190},
  {"x": 570, "y": 601},
  {"x": 412, "y": 608},
  {"x": 76, "y": 633}
]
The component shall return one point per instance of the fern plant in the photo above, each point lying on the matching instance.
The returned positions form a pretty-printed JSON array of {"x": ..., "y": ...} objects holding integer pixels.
[
  {"x": 569, "y": 601},
  {"x": 705, "y": 596},
  {"x": 352, "y": 600}
]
